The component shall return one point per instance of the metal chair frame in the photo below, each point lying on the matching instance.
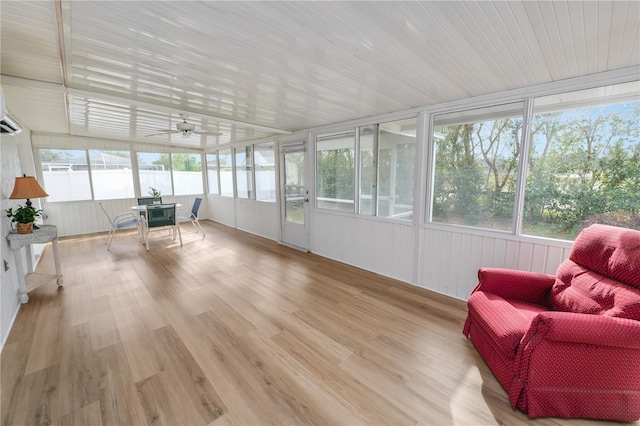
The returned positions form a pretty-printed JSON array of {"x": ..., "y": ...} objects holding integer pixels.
[
  {"x": 121, "y": 221},
  {"x": 193, "y": 217}
]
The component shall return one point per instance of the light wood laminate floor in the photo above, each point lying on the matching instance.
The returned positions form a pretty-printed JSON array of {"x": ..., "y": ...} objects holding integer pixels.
[{"x": 236, "y": 329}]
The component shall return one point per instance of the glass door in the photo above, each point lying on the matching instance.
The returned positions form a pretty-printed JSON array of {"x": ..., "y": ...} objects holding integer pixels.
[{"x": 295, "y": 199}]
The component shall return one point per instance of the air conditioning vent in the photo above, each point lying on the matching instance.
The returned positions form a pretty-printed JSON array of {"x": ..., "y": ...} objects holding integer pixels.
[{"x": 7, "y": 124}]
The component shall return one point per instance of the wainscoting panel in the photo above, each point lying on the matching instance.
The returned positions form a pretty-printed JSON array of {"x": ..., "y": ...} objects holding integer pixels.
[
  {"x": 451, "y": 259},
  {"x": 258, "y": 218},
  {"x": 379, "y": 246},
  {"x": 222, "y": 210},
  {"x": 83, "y": 217}
]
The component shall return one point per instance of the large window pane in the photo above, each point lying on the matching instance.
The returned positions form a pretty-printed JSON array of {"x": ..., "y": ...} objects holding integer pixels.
[
  {"x": 212, "y": 174},
  {"x": 244, "y": 181},
  {"x": 396, "y": 162},
  {"x": 66, "y": 174},
  {"x": 335, "y": 171},
  {"x": 154, "y": 170},
  {"x": 584, "y": 162},
  {"x": 368, "y": 159},
  {"x": 226, "y": 172},
  {"x": 265, "y": 171},
  {"x": 187, "y": 173},
  {"x": 111, "y": 174},
  {"x": 477, "y": 154}
]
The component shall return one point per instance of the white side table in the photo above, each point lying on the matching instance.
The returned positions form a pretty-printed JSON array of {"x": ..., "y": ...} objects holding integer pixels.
[{"x": 42, "y": 235}]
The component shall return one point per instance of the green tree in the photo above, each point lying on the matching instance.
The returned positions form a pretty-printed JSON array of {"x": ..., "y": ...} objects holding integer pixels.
[
  {"x": 541, "y": 186},
  {"x": 179, "y": 162},
  {"x": 476, "y": 165},
  {"x": 620, "y": 181},
  {"x": 583, "y": 163},
  {"x": 500, "y": 148},
  {"x": 458, "y": 177},
  {"x": 163, "y": 160},
  {"x": 335, "y": 174}
]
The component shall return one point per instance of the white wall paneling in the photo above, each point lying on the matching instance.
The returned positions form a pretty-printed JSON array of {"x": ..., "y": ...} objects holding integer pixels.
[
  {"x": 222, "y": 210},
  {"x": 258, "y": 218},
  {"x": 377, "y": 245},
  {"x": 10, "y": 167},
  {"x": 451, "y": 257}
]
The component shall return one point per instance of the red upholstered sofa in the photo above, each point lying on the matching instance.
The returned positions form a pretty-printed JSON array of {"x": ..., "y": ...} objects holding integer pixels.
[{"x": 566, "y": 345}]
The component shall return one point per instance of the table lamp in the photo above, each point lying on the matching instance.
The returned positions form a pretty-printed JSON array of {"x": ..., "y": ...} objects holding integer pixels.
[{"x": 27, "y": 187}]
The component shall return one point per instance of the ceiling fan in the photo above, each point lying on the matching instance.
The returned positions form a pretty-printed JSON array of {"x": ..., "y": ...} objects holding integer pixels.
[{"x": 186, "y": 129}]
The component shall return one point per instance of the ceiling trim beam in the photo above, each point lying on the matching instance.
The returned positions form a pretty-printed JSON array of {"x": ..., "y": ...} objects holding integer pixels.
[
  {"x": 43, "y": 85},
  {"x": 26, "y": 83},
  {"x": 174, "y": 110},
  {"x": 62, "y": 52}
]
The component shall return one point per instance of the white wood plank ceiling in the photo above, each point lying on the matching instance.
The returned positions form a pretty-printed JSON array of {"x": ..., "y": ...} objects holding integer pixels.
[{"x": 124, "y": 69}]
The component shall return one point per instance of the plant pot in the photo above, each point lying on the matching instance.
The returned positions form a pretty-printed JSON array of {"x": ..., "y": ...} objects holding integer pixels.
[
  {"x": 157, "y": 202},
  {"x": 25, "y": 228}
]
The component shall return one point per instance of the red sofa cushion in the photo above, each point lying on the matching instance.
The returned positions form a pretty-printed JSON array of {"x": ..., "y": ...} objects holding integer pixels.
[
  {"x": 602, "y": 274},
  {"x": 505, "y": 321},
  {"x": 581, "y": 290},
  {"x": 610, "y": 251}
]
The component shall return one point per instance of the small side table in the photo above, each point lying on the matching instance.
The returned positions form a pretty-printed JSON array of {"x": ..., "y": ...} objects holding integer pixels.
[{"x": 42, "y": 235}]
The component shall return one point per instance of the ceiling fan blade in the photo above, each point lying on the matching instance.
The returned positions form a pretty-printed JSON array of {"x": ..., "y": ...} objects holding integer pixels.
[
  {"x": 163, "y": 132},
  {"x": 207, "y": 133}
]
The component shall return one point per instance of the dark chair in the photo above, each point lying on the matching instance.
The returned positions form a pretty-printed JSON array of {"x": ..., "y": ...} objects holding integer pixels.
[
  {"x": 147, "y": 200},
  {"x": 161, "y": 215},
  {"x": 143, "y": 201},
  {"x": 193, "y": 217}
]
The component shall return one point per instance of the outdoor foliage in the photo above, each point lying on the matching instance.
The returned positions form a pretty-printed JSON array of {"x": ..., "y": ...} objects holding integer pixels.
[
  {"x": 476, "y": 164},
  {"x": 179, "y": 162},
  {"x": 582, "y": 164},
  {"x": 335, "y": 174}
]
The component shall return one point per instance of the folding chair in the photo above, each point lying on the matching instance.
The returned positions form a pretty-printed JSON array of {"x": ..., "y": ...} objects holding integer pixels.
[
  {"x": 121, "y": 221},
  {"x": 161, "y": 215},
  {"x": 193, "y": 217}
]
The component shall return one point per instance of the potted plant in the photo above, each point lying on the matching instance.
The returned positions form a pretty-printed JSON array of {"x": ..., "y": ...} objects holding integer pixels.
[
  {"x": 156, "y": 195},
  {"x": 24, "y": 217}
]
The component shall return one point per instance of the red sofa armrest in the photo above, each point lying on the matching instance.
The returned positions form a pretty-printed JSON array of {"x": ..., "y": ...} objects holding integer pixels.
[
  {"x": 532, "y": 287},
  {"x": 588, "y": 329},
  {"x": 566, "y": 357}
]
